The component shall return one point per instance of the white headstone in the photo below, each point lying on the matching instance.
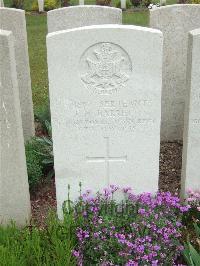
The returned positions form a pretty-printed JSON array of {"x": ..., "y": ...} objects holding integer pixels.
[
  {"x": 81, "y": 2},
  {"x": 14, "y": 20},
  {"x": 41, "y": 5},
  {"x": 1, "y": 3},
  {"x": 14, "y": 191},
  {"x": 175, "y": 22},
  {"x": 163, "y": 2},
  {"x": 80, "y": 16},
  {"x": 123, "y": 4},
  {"x": 191, "y": 143},
  {"x": 105, "y": 107}
]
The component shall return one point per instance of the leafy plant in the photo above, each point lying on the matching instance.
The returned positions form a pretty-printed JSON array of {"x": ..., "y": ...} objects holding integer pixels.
[
  {"x": 136, "y": 3},
  {"x": 17, "y": 4},
  {"x": 46, "y": 151},
  {"x": 191, "y": 254},
  {"x": 32, "y": 246},
  {"x": 34, "y": 166},
  {"x": 50, "y": 4}
]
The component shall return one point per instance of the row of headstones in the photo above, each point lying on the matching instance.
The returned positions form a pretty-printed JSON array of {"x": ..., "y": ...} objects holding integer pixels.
[{"x": 106, "y": 120}]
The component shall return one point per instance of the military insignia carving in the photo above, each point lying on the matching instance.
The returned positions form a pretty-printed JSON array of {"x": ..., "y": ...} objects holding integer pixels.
[{"x": 106, "y": 68}]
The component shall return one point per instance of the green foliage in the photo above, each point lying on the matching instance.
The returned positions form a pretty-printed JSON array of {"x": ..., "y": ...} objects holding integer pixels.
[
  {"x": 42, "y": 115},
  {"x": 33, "y": 161},
  {"x": 195, "y": 2},
  {"x": 128, "y": 4},
  {"x": 50, "y": 5},
  {"x": 146, "y": 3},
  {"x": 17, "y": 4},
  {"x": 136, "y": 3},
  {"x": 46, "y": 151},
  {"x": 191, "y": 254},
  {"x": 50, "y": 246}
]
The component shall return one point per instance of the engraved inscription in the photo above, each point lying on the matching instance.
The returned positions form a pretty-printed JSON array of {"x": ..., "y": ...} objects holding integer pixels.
[
  {"x": 105, "y": 68},
  {"x": 107, "y": 159},
  {"x": 121, "y": 115}
]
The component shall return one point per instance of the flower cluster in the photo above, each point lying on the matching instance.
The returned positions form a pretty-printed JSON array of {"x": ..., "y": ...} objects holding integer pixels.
[
  {"x": 142, "y": 229},
  {"x": 194, "y": 199}
]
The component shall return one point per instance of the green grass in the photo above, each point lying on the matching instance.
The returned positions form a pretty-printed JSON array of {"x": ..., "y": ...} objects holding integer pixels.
[{"x": 37, "y": 30}]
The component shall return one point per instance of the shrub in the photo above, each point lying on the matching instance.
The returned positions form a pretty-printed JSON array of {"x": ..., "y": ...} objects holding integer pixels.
[
  {"x": 33, "y": 246},
  {"x": 143, "y": 230},
  {"x": 191, "y": 254},
  {"x": 50, "y": 4},
  {"x": 118, "y": 4},
  {"x": 195, "y": 1},
  {"x": 136, "y": 3},
  {"x": 103, "y": 2},
  {"x": 34, "y": 165},
  {"x": 17, "y": 4},
  {"x": 146, "y": 3}
]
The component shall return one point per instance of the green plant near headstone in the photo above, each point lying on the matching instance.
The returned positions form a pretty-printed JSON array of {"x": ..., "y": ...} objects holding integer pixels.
[
  {"x": 17, "y": 4},
  {"x": 192, "y": 254},
  {"x": 48, "y": 5}
]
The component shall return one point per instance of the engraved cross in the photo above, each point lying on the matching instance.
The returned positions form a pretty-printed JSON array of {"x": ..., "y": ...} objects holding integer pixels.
[{"x": 107, "y": 159}]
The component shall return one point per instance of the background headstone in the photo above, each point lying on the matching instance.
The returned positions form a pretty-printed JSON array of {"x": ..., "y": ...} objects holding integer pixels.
[
  {"x": 123, "y": 4},
  {"x": 14, "y": 191},
  {"x": 191, "y": 143},
  {"x": 105, "y": 107},
  {"x": 79, "y": 16},
  {"x": 1, "y": 3},
  {"x": 14, "y": 20},
  {"x": 175, "y": 22},
  {"x": 81, "y": 2},
  {"x": 41, "y": 5}
]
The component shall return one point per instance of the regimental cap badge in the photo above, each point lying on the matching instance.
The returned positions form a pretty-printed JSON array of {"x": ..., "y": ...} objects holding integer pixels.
[{"x": 106, "y": 67}]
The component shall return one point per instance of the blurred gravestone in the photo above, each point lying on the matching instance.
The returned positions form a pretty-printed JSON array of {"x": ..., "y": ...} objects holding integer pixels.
[
  {"x": 175, "y": 22},
  {"x": 191, "y": 143},
  {"x": 41, "y": 5},
  {"x": 1, "y": 3},
  {"x": 14, "y": 191},
  {"x": 14, "y": 20},
  {"x": 79, "y": 16}
]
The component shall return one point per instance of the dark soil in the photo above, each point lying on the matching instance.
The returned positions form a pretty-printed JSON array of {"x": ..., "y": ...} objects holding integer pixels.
[{"x": 170, "y": 176}]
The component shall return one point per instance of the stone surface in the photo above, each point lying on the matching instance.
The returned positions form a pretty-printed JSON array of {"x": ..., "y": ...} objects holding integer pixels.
[
  {"x": 191, "y": 143},
  {"x": 105, "y": 107},
  {"x": 14, "y": 20},
  {"x": 123, "y": 4},
  {"x": 1, "y": 3},
  {"x": 79, "y": 16},
  {"x": 41, "y": 5},
  {"x": 14, "y": 191},
  {"x": 175, "y": 22}
]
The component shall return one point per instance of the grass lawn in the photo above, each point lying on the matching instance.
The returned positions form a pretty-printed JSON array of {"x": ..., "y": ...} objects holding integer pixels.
[{"x": 37, "y": 30}]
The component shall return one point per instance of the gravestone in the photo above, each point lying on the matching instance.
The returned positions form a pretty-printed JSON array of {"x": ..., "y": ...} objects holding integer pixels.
[
  {"x": 14, "y": 191},
  {"x": 1, "y": 3},
  {"x": 175, "y": 22},
  {"x": 105, "y": 107},
  {"x": 79, "y": 16},
  {"x": 81, "y": 2},
  {"x": 123, "y": 4},
  {"x": 14, "y": 20},
  {"x": 41, "y": 5},
  {"x": 191, "y": 143}
]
